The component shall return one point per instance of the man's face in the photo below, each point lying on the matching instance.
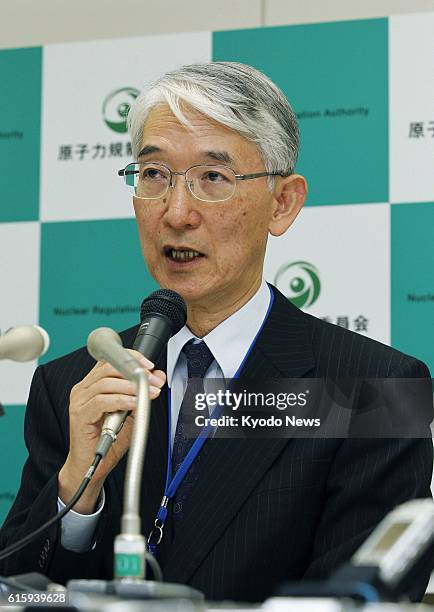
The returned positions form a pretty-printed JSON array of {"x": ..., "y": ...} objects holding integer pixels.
[{"x": 230, "y": 236}]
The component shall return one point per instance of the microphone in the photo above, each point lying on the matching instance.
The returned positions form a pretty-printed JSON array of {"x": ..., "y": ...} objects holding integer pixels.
[
  {"x": 163, "y": 314},
  {"x": 24, "y": 343},
  {"x": 104, "y": 344}
]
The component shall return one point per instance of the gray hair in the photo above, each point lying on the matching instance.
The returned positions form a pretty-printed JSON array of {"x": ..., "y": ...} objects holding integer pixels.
[{"x": 233, "y": 94}]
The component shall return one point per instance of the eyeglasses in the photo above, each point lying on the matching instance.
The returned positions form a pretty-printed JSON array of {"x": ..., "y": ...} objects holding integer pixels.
[{"x": 208, "y": 182}]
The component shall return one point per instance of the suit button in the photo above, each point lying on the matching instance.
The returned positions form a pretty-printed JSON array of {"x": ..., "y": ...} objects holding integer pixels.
[{"x": 177, "y": 507}]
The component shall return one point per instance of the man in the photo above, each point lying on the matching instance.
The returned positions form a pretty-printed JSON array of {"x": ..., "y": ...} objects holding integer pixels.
[{"x": 216, "y": 147}]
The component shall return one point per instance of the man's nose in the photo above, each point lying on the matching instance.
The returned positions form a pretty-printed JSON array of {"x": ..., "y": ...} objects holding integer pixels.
[{"x": 181, "y": 204}]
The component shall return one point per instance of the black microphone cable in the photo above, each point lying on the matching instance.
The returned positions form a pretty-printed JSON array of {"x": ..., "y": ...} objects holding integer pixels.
[{"x": 14, "y": 548}]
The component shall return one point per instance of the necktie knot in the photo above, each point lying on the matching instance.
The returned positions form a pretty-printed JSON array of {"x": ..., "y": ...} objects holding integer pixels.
[{"x": 199, "y": 358}]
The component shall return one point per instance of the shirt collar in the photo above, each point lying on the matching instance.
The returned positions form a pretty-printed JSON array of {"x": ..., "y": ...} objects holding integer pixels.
[{"x": 230, "y": 340}]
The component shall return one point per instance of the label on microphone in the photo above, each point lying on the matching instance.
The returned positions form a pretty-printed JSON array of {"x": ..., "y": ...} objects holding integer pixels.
[
  {"x": 129, "y": 557},
  {"x": 128, "y": 566}
]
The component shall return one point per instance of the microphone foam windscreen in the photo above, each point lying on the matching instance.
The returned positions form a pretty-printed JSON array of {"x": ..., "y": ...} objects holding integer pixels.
[{"x": 167, "y": 303}]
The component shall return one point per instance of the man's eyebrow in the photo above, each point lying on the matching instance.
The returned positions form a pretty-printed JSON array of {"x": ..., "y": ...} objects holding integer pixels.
[
  {"x": 147, "y": 149},
  {"x": 221, "y": 156}
]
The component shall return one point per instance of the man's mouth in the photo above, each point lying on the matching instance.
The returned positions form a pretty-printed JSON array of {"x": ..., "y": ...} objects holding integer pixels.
[{"x": 181, "y": 254}]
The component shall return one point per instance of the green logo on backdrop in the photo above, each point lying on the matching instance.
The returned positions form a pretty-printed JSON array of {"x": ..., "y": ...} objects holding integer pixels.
[
  {"x": 299, "y": 282},
  {"x": 116, "y": 106}
]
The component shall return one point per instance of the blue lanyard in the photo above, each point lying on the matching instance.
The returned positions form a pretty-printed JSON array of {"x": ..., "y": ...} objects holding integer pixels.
[{"x": 172, "y": 484}]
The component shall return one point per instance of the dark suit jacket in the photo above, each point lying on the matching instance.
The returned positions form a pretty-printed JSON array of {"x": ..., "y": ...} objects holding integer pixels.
[{"x": 262, "y": 511}]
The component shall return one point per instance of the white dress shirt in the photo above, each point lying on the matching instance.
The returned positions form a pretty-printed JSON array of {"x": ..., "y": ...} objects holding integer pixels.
[{"x": 229, "y": 342}]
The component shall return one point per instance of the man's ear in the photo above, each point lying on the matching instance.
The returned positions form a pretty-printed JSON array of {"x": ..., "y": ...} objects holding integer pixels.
[{"x": 289, "y": 195}]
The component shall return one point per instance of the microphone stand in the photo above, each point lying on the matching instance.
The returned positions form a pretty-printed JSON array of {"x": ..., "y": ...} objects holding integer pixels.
[{"x": 130, "y": 546}]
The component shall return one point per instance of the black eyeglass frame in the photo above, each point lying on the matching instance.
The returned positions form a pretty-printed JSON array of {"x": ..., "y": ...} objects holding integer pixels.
[{"x": 239, "y": 177}]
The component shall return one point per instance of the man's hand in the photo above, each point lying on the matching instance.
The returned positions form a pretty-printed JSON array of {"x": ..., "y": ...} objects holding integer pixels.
[{"x": 102, "y": 391}]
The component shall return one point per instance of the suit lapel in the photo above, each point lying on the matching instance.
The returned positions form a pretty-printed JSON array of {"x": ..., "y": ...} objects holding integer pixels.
[{"x": 230, "y": 469}]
